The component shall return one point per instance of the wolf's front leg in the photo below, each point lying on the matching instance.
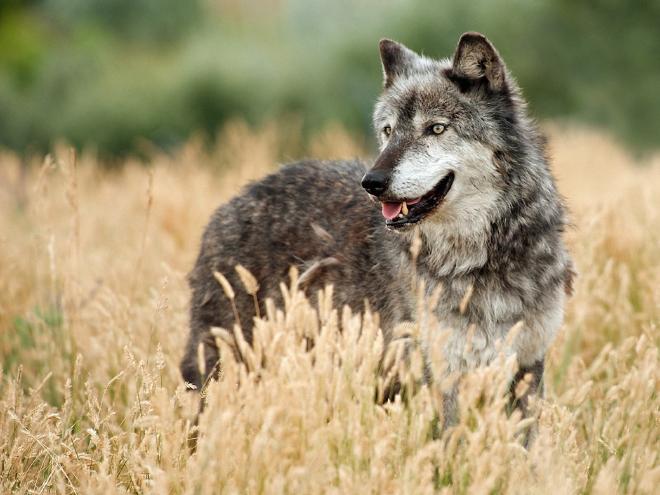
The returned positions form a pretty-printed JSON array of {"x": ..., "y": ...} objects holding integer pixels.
[
  {"x": 404, "y": 368},
  {"x": 527, "y": 382}
]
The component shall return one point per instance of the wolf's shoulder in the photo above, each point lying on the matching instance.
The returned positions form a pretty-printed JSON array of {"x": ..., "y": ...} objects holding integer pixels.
[
  {"x": 310, "y": 175},
  {"x": 296, "y": 194}
]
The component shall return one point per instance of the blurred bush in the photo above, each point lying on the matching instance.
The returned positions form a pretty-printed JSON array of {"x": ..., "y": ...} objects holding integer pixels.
[{"x": 110, "y": 74}]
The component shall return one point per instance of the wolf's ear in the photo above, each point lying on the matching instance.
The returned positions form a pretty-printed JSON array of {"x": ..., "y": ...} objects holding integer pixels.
[
  {"x": 476, "y": 58},
  {"x": 397, "y": 60}
]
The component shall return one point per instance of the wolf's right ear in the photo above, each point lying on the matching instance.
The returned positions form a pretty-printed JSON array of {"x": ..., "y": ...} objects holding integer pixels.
[
  {"x": 397, "y": 60},
  {"x": 476, "y": 59}
]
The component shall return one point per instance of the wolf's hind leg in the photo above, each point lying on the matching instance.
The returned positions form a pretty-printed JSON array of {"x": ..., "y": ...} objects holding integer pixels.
[
  {"x": 201, "y": 358},
  {"x": 200, "y": 363}
]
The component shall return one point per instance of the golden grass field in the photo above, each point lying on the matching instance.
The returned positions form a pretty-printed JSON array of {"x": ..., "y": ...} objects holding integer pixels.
[{"x": 93, "y": 317}]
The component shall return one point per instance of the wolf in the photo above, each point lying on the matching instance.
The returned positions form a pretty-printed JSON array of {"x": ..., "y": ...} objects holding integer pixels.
[{"x": 462, "y": 168}]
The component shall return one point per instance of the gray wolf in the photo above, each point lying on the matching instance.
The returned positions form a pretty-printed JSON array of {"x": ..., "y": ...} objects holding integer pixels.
[{"x": 462, "y": 166}]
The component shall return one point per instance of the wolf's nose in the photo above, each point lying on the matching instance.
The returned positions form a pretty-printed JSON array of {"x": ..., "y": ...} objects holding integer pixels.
[{"x": 375, "y": 182}]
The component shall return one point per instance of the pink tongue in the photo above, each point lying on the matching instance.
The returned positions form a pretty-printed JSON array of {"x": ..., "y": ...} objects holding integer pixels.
[{"x": 391, "y": 210}]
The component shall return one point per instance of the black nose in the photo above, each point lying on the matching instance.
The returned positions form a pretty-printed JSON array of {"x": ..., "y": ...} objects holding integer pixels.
[{"x": 375, "y": 182}]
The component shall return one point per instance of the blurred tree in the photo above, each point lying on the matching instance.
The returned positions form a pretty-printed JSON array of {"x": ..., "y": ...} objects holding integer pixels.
[
  {"x": 111, "y": 73},
  {"x": 158, "y": 21}
]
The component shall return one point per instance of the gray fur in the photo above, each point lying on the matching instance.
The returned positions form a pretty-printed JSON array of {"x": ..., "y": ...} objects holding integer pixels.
[{"x": 497, "y": 232}]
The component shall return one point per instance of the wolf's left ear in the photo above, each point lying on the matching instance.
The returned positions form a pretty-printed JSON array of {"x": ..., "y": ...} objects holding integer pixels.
[
  {"x": 397, "y": 60},
  {"x": 476, "y": 58}
]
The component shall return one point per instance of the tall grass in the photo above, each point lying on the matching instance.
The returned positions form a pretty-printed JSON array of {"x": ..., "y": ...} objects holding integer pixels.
[{"x": 93, "y": 317}]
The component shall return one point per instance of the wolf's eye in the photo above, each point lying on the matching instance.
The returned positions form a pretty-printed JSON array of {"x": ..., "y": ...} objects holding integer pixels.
[
  {"x": 387, "y": 130},
  {"x": 437, "y": 129}
]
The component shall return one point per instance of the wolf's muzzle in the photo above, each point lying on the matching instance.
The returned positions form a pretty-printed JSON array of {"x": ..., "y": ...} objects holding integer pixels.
[{"x": 376, "y": 182}]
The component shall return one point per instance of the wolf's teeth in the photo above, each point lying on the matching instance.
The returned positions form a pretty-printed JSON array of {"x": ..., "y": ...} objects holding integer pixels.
[
  {"x": 404, "y": 208},
  {"x": 400, "y": 215}
]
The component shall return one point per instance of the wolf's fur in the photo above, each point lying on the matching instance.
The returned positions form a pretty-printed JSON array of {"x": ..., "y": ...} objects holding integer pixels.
[{"x": 496, "y": 233}]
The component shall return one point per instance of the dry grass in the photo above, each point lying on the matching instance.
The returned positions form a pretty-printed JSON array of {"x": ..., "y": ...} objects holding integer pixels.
[{"x": 93, "y": 319}]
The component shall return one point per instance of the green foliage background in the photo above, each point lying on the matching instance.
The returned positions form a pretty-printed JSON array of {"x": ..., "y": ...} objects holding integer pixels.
[{"x": 110, "y": 74}]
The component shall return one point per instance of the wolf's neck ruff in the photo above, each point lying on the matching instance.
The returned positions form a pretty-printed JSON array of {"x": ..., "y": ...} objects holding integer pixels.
[{"x": 448, "y": 252}]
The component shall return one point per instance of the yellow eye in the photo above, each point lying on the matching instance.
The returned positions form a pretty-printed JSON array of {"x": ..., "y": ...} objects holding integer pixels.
[
  {"x": 438, "y": 129},
  {"x": 387, "y": 130}
]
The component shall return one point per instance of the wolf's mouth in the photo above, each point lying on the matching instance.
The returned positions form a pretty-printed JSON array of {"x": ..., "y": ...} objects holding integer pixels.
[{"x": 404, "y": 212}]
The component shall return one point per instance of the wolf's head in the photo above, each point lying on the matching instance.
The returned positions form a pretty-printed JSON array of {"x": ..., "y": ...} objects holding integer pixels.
[{"x": 449, "y": 134}]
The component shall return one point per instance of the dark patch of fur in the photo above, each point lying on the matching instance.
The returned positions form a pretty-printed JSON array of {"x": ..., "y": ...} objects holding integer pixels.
[
  {"x": 569, "y": 277},
  {"x": 533, "y": 376},
  {"x": 390, "y": 157}
]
